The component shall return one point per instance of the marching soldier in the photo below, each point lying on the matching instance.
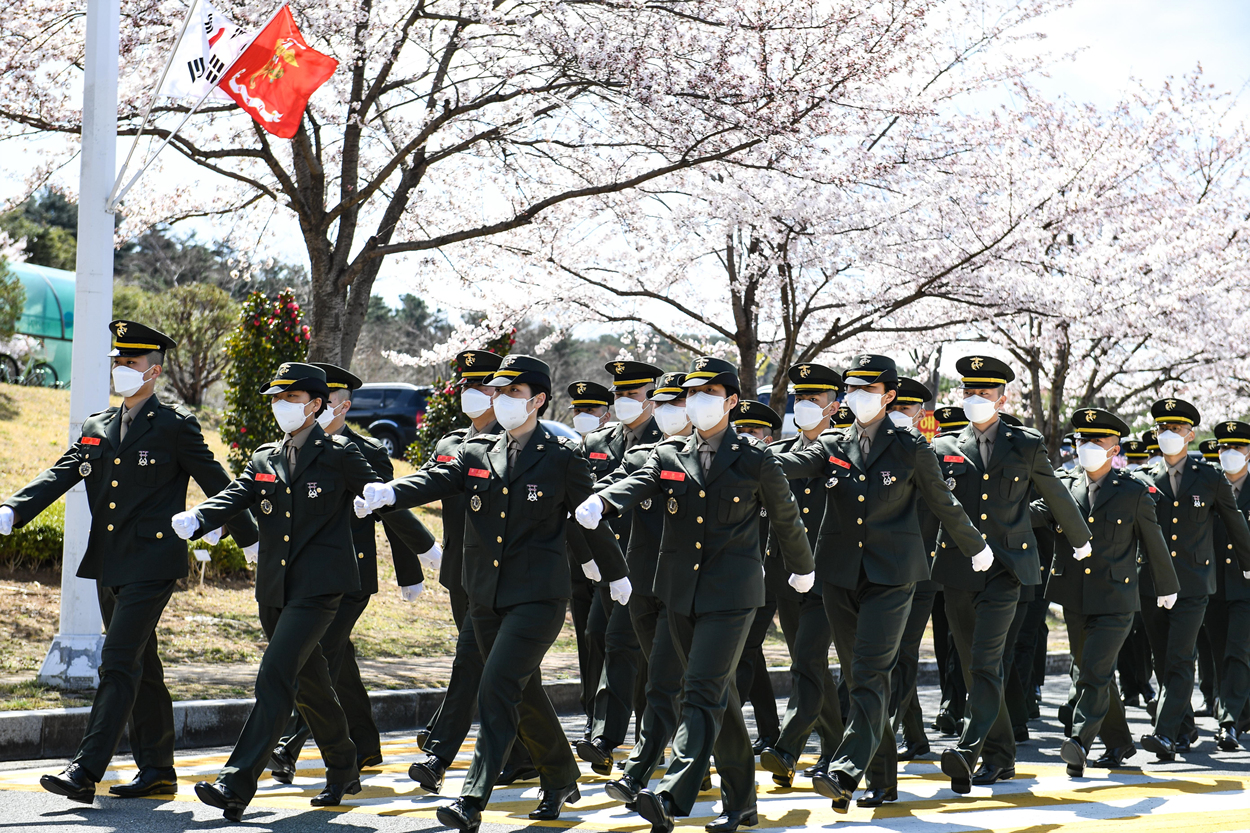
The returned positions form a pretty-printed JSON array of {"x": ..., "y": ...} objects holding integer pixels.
[
  {"x": 1188, "y": 498},
  {"x": 303, "y": 488},
  {"x": 135, "y": 462},
  {"x": 408, "y": 537},
  {"x": 1134, "y": 453},
  {"x": 711, "y": 580},
  {"x": 813, "y": 702},
  {"x": 1228, "y": 612},
  {"x": 990, "y": 468},
  {"x": 632, "y": 383},
  {"x": 870, "y": 556},
  {"x": 520, "y": 485},
  {"x": 951, "y": 420},
  {"x": 1098, "y": 591},
  {"x": 1151, "y": 439},
  {"x": 1210, "y": 451}
]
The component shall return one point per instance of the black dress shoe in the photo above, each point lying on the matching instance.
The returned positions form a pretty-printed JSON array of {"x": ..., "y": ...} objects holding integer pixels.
[
  {"x": 946, "y": 723},
  {"x": 780, "y": 764},
  {"x": 282, "y": 764},
  {"x": 1152, "y": 706},
  {"x": 148, "y": 782},
  {"x": 1205, "y": 711},
  {"x": 1074, "y": 754},
  {"x": 597, "y": 753},
  {"x": 761, "y": 744},
  {"x": 729, "y": 822},
  {"x": 369, "y": 761},
  {"x": 551, "y": 802},
  {"x": 908, "y": 751},
  {"x": 1133, "y": 701},
  {"x": 333, "y": 794},
  {"x": 74, "y": 783},
  {"x": 221, "y": 797},
  {"x": 1186, "y": 743},
  {"x": 422, "y": 737},
  {"x": 1115, "y": 758},
  {"x": 831, "y": 787},
  {"x": 990, "y": 773},
  {"x": 658, "y": 810},
  {"x": 955, "y": 767},
  {"x": 1021, "y": 733},
  {"x": 516, "y": 772},
  {"x": 624, "y": 789},
  {"x": 706, "y": 784},
  {"x": 875, "y": 798},
  {"x": 1163, "y": 747},
  {"x": 460, "y": 815},
  {"x": 1228, "y": 739},
  {"x": 429, "y": 773},
  {"x": 821, "y": 765},
  {"x": 1065, "y": 717}
]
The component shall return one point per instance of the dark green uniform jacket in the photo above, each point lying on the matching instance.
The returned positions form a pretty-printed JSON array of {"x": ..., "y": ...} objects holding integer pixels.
[
  {"x": 305, "y": 517},
  {"x": 605, "y": 448},
  {"x": 454, "y": 507},
  {"x": 406, "y": 534},
  {"x": 134, "y": 487},
  {"x": 514, "y": 539},
  {"x": 710, "y": 553},
  {"x": 1231, "y": 584},
  {"x": 1188, "y": 526},
  {"x": 881, "y": 535},
  {"x": 810, "y": 494},
  {"x": 1123, "y": 522},
  {"x": 996, "y": 498},
  {"x": 647, "y": 526}
]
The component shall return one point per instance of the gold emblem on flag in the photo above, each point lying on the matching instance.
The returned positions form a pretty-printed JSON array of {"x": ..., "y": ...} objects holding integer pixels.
[
  {"x": 977, "y": 363},
  {"x": 121, "y": 328},
  {"x": 283, "y": 53}
]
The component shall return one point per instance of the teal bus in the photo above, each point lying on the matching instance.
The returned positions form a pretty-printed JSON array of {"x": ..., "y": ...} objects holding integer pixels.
[{"x": 40, "y": 352}]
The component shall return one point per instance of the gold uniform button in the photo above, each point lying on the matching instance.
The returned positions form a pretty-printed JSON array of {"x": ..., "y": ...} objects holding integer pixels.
[
  {"x": 496, "y": 563},
  {"x": 114, "y": 484},
  {"x": 1025, "y": 545},
  {"x": 288, "y": 514},
  {"x": 1119, "y": 521},
  {"x": 286, "y": 537},
  {"x": 1173, "y": 553},
  {"x": 1228, "y": 561},
  {"x": 1017, "y": 479},
  {"x": 861, "y": 498},
  {"x": 861, "y": 545},
  {"x": 985, "y": 497},
  {"x": 160, "y": 535},
  {"x": 701, "y": 493},
  {"x": 1087, "y": 571},
  {"x": 861, "y": 477},
  {"x": 117, "y": 461},
  {"x": 1091, "y": 518},
  {"x": 618, "y": 535},
  {"x": 110, "y": 527},
  {"x": 112, "y": 506},
  {"x": 1176, "y": 503},
  {"x": 288, "y": 490},
  {"x": 984, "y": 516},
  {"x": 503, "y": 514},
  {"x": 698, "y": 545},
  {"x": 859, "y": 520},
  {"x": 1173, "y": 537},
  {"x": 736, "y": 498},
  {"x": 360, "y": 555},
  {"x": 807, "y": 491},
  {"x": 1176, "y": 520},
  {"x": 283, "y": 562},
  {"x": 498, "y": 539},
  {"x": 985, "y": 477},
  {"x": 505, "y": 490},
  {"x": 805, "y": 510},
  {"x": 1126, "y": 581},
  {"x": 699, "y": 519},
  {"x": 696, "y": 566}
]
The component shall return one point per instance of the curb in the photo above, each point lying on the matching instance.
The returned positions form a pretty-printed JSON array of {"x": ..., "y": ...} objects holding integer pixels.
[{"x": 56, "y": 733}]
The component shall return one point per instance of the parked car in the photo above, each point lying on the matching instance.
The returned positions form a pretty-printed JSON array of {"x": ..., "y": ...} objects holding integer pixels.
[
  {"x": 788, "y": 428},
  {"x": 561, "y": 430},
  {"x": 390, "y": 412}
]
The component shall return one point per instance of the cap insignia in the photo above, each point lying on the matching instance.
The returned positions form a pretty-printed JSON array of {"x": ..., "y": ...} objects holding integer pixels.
[
  {"x": 121, "y": 328},
  {"x": 469, "y": 359},
  {"x": 284, "y": 369},
  {"x": 865, "y": 361},
  {"x": 1090, "y": 416},
  {"x": 1170, "y": 405},
  {"x": 581, "y": 388},
  {"x": 618, "y": 368},
  {"x": 805, "y": 371},
  {"x": 977, "y": 363},
  {"x": 700, "y": 364}
]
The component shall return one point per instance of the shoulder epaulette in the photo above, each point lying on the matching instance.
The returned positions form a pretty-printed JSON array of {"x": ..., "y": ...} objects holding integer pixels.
[
  {"x": 112, "y": 409},
  {"x": 565, "y": 441},
  {"x": 482, "y": 438},
  {"x": 678, "y": 440},
  {"x": 456, "y": 432}
]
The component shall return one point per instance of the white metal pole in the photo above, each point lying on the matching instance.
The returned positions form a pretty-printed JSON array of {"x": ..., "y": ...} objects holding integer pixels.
[{"x": 74, "y": 658}]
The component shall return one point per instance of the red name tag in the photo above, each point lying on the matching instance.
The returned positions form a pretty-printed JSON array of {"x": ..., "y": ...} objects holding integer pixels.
[
  {"x": 1152, "y": 489},
  {"x": 445, "y": 458},
  {"x": 672, "y": 475},
  {"x": 953, "y": 458},
  {"x": 479, "y": 473},
  {"x": 844, "y": 464},
  {"x": 90, "y": 440},
  {"x": 266, "y": 478},
  {"x": 598, "y": 455}
]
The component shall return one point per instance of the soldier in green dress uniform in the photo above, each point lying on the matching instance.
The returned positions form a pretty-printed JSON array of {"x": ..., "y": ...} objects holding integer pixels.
[
  {"x": 1228, "y": 612},
  {"x": 135, "y": 462}
]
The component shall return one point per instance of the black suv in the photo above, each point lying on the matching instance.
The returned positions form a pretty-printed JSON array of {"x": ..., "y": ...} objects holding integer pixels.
[{"x": 390, "y": 412}]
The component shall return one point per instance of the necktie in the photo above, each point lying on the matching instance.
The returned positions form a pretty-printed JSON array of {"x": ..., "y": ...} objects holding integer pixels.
[
  {"x": 1093, "y": 494},
  {"x": 513, "y": 450},
  {"x": 986, "y": 451},
  {"x": 291, "y": 452},
  {"x": 1176, "y": 481},
  {"x": 705, "y": 455},
  {"x": 127, "y": 418},
  {"x": 865, "y": 443}
]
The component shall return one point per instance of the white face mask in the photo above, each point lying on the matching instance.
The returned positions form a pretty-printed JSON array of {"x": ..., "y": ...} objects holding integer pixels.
[
  {"x": 671, "y": 419},
  {"x": 1171, "y": 443},
  {"x": 978, "y": 409},
  {"x": 328, "y": 416},
  {"x": 807, "y": 415},
  {"x": 474, "y": 403},
  {"x": 511, "y": 411},
  {"x": 1153, "y": 460},
  {"x": 627, "y": 410},
  {"x": 585, "y": 423},
  {"x": 290, "y": 416},
  {"x": 127, "y": 381},
  {"x": 1232, "y": 461},
  {"x": 1090, "y": 456},
  {"x": 901, "y": 420},
  {"x": 705, "y": 410},
  {"x": 864, "y": 405}
]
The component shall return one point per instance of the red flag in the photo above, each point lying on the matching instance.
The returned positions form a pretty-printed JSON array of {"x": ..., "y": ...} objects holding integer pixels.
[{"x": 274, "y": 77}]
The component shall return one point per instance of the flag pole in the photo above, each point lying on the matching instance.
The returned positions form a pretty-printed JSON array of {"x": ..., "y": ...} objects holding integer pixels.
[{"x": 112, "y": 200}]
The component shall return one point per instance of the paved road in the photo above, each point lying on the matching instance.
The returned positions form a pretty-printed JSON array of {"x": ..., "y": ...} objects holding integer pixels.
[{"x": 1204, "y": 792}]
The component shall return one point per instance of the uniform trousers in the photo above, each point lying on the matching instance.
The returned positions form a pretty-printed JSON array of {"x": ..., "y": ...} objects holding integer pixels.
[
  {"x": 658, "y": 722},
  {"x": 1173, "y": 636},
  {"x": 132, "y": 690},
  {"x": 1229, "y": 624},
  {"x": 613, "y": 704},
  {"x": 905, "y": 710},
  {"x": 1095, "y": 641},
  {"x": 813, "y": 702},
  {"x": 293, "y": 673},
  {"x": 751, "y": 677}
]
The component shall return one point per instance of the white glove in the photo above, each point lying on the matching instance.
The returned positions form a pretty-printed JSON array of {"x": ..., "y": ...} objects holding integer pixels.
[
  {"x": 1245, "y": 574},
  {"x": 360, "y": 507},
  {"x": 211, "y": 538},
  {"x": 431, "y": 558},
  {"x": 802, "y": 583},
  {"x": 1167, "y": 601},
  {"x": 620, "y": 590},
  {"x": 378, "y": 495},
  {"x": 411, "y": 592},
  {"x": 185, "y": 524},
  {"x": 591, "y": 569},
  {"x": 6, "y": 520},
  {"x": 590, "y": 512},
  {"x": 251, "y": 552},
  {"x": 1083, "y": 552},
  {"x": 983, "y": 560}
]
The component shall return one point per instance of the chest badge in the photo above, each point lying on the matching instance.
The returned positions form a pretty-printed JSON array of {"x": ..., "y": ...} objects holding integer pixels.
[
  {"x": 84, "y": 469},
  {"x": 950, "y": 483},
  {"x": 475, "y": 503},
  {"x": 646, "y": 504},
  {"x": 763, "y": 512},
  {"x": 531, "y": 492},
  {"x": 672, "y": 506},
  {"x": 143, "y": 458},
  {"x": 1197, "y": 501},
  {"x": 313, "y": 491},
  {"x": 266, "y": 506},
  {"x": 886, "y": 480}
]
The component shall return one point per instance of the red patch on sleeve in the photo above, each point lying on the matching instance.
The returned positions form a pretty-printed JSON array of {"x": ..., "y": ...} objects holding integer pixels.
[
  {"x": 843, "y": 463},
  {"x": 90, "y": 440},
  {"x": 266, "y": 478},
  {"x": 483, "y": 473},
  {"x": 953, "y": 458},
  {"x": 445, "y": 458},
  {"x": 598, "y": 455},
  {"x": 672, "y": 475}
]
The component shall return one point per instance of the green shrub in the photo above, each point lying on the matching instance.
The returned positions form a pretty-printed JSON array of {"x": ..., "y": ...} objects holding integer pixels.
[
  {"x": 38, "y": 544},
  {"x": 227, "y": 560}
]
